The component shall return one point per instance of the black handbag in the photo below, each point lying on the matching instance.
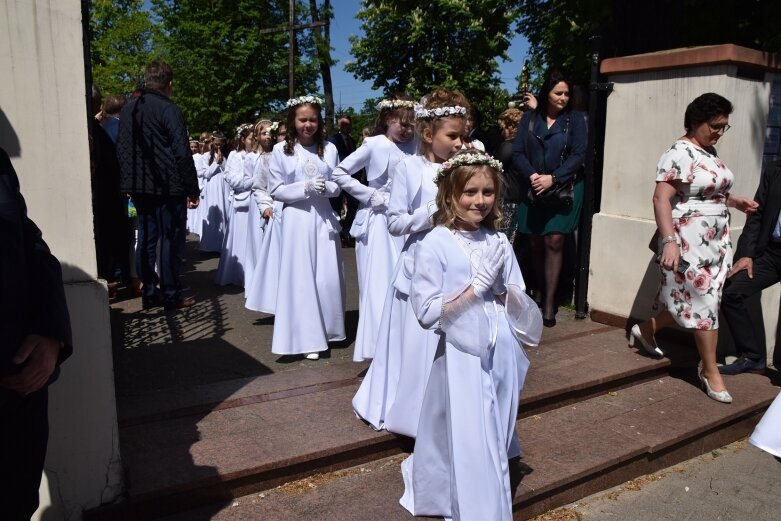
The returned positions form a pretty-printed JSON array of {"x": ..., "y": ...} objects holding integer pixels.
[{"x": 560, "y": 195}]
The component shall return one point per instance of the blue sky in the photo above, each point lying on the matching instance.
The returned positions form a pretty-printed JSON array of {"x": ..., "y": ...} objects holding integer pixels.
[{"x": 349, "y": 92}]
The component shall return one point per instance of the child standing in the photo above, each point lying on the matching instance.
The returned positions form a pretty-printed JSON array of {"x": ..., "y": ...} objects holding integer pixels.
[
  {"x": 216, "y": 196},
  {"x": 468, "y": 288},
  {"x": 376, "y": 251},
  {"x": 391, "y": 394},
  {"x": 261, "y": 292},
  {"x": 239, "y": 178},
  {"x": 310, "y": 298}
]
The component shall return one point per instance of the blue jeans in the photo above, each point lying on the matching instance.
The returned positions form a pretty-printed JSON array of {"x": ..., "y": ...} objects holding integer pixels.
[{"x": 161, "y": 220}]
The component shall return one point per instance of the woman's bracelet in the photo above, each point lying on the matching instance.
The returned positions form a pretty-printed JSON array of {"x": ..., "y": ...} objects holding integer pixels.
[{"x": 668, "y": 240}]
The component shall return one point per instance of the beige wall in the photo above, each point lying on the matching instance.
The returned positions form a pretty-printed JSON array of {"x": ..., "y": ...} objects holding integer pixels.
[
  {"x": 644, "y": 116},
  {"x": 43, "y": 126}
]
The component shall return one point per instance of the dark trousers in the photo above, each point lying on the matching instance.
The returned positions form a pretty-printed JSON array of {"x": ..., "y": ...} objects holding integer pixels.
[
  {"x": 163, "y": 220},
  {"x": 767, "y": 271},
  {"x": 24, "y": 433}
]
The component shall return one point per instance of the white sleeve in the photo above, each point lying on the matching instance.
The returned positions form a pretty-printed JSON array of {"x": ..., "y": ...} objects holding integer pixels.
[
  {"x": 402, "y": 221},
  {"x": 343, "y": 174},
  {"x": 276, "y": 180}
]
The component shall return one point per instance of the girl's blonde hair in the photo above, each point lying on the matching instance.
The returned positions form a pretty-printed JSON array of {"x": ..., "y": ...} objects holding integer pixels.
[
  {"x": 509, "y": 119},
  {"x": 439, "y": 98},
  {"x": 386, "y": 115},
  {"x": 452, "y": 186}
]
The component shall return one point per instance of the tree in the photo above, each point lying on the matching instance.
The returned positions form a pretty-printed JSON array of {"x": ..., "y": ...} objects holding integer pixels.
[
  {"x": 559, "y": 31},
  {"x": 121, "y": 43},
  {"x": 224, "y": 68},
  {"x": 414, "y": 46}
]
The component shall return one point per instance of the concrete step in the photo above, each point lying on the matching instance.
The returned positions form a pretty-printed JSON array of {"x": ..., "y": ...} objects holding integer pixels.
[
  {"x": 201, "y": 444},
  {"x": 570, "y": 452}
]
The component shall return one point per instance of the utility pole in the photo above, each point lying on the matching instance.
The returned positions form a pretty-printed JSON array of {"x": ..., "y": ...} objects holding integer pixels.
[{"x": 291, "y": 54}]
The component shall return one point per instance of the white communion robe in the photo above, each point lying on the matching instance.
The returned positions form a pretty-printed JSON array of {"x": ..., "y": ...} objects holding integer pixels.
[
  {"x": 214, "y": 224},
  {"x": 255, "y": 162},
  {"x": 195, "y": 215},
  {"x": 459, "y": 468},
  {"x": 767, "y": 434},
  {"x": 391, "y": 393},
  {"x": 311, "y": 294},
  {"x": 262, "y": 291},
  {"x": 234, "y": 247},
  {"x": 376, "y": 250}
]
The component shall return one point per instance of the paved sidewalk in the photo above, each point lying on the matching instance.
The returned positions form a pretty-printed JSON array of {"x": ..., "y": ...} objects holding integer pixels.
[{"x": 736, "y": 483}]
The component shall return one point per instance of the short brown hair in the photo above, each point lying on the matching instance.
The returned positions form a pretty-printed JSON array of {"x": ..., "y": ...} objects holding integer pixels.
[
  {"x": 158, "y": 75},
  {"x": 452, "y": 186},
  {"x": 114, "y": 104},
  {"x": 508, "y": 120}
]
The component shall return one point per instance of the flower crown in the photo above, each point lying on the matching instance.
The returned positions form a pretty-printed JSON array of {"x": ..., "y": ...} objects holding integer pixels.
[
  {"x": 439, "y": 112},
  {"x": 241, "y": 128},
  {"x": 394, "y": 104},
  {"x": 314, "y": 100},
  {"x": 466, "y": 159}
]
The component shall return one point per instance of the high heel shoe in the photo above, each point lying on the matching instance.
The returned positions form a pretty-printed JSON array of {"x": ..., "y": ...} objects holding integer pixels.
[
  {"x": 719, "y": 396},
  {"x": 652, "y": 350}
]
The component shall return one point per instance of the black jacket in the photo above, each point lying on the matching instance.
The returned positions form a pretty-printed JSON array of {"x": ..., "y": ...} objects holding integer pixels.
[
  {"x": 32, "y": 297},
  {"x": 759, "y": 227},
  {"x": 153, "y": 148}
]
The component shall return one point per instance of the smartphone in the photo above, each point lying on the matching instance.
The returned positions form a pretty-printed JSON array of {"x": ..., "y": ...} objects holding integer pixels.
[{"x": 683, "y": 264}]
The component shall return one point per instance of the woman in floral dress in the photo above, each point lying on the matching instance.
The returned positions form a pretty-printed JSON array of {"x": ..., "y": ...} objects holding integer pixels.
[{"x": 695, "y": 251}]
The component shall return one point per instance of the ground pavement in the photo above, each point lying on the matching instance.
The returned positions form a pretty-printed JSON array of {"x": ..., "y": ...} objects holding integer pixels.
[{"x": 212, "y": 377}]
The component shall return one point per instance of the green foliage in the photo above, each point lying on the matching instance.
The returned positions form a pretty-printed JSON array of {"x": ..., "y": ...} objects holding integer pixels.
[
  {"x": 558, "y": 32},
  {"x": 122, "y": 35},
  {"x": 415, "y": 46},
  {"x": 224, "y": 68}
]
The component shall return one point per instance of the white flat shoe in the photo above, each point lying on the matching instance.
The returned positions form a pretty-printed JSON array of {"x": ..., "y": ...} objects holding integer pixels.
[
  {"x": 652, "y": 350},
  {"x": 719, "y": 396},
  {"x": 312, "y": 356}
]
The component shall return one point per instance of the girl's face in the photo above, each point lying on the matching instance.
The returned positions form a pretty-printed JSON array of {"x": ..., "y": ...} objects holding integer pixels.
[
  {"x": 445, "y": 140},
  {"x": 306, "y": 124},
  {"x": 247, "y": 141},
  {"x": 264, "y": 138},
  {"x": 476, "y": 201},
  {"x": 195, "y": 147},
  {"x": 399, "y": 132},
  {"x": 558, "y": 97},
  {"x": 281, "y": 133}
]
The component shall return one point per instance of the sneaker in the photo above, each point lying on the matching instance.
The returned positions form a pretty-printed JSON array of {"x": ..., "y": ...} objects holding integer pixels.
[
  {"x": 312, "y": 356},
  {"x": 744, "y": 365}
]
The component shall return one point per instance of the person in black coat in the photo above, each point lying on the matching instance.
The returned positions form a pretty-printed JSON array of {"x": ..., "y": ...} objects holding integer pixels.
[
  {"x": 157, "y": 170},
  {"x": 345, "y": 145},
  {"x": 35, "y": 338},
  {"x": 757, "y": 267}
]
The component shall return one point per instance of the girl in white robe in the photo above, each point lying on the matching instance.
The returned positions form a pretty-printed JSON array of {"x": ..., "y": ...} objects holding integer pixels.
[
  {"x": 391, "y": 393},
  {"x": 376, "y": 250},
  {"x": 767, "y": 434},
  {"x": 467, "y": 288},
  {"x": 310, "y": 298},
  {"x": 261, "y": 292},
  {"x": 214, "y": 224},
  {"x": 238, "y": 176}
]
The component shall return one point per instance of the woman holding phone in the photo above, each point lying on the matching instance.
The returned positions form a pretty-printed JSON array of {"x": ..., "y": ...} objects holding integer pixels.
[{"x": 691, "y": 202}]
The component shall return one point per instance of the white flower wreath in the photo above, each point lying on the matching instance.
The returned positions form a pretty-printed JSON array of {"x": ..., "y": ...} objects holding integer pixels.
[
  {"x": 241, "y": 128},
  {"x": 314, "y": 100},
  {"x": 466, "y": 159},
  {"x": 439, "y": 112},
  {"x": 394, "y": 104}
]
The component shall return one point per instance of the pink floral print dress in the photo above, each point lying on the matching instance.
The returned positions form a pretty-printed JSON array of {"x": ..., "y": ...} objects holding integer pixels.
[{"x": 701, "y": 223}]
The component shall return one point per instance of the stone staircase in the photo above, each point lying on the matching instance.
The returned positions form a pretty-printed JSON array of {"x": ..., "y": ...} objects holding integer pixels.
[{"x": 287, "y": 446}]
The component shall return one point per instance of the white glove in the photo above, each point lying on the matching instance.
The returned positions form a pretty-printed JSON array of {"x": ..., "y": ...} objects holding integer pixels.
[
  {"x": 491, "y": 265},
  {"x": 377, "y": 201},
  {"x": 316, "y": 185}
]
